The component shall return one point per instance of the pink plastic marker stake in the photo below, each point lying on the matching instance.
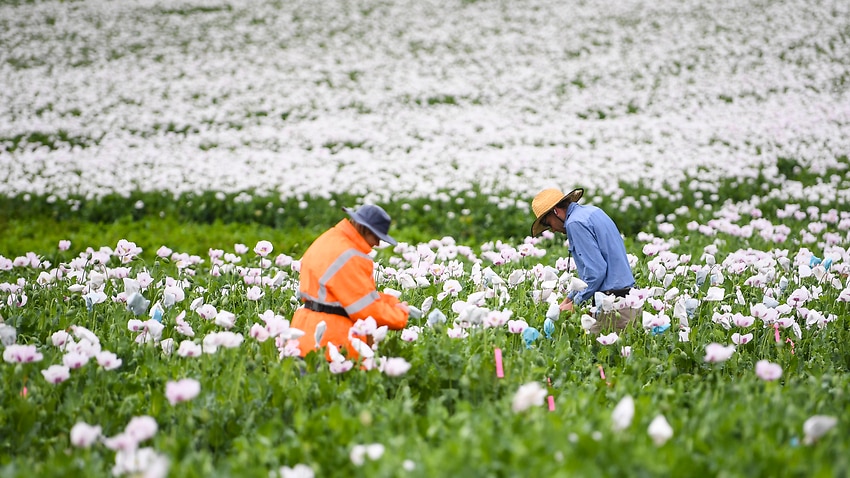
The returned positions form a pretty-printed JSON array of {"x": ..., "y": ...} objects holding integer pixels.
[
  {"x": 776, "y": 333},
  {"x": 601, "y": 373},
  {"x": 499, "y": 371},
  {"x": 788, "y": 340},
  {"x": 551, "y": 403}
]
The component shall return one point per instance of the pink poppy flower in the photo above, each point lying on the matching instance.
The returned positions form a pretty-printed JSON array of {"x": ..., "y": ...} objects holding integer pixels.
[
  {"x": 457, "y": 333},
  {"x": 21, "y": 354},
  {"x": 206, "y": 311},
  {"x": 768, "y": 371},
  {"x": 17, "y": 300},
  {"x": 716, "y": 353},
  {"x": 361, "y": 348},
  {"x": 363, "y": 327},
  {"x": 226, "y": 339},
  {"x": 608, "y": 339},
  {"x": 263, "y": 248},
  {"x": 394, "y": 367},
  {"x": 287, "y": 347},
  {"x": 739, "y": 339},
  {"x": 340, "y": 367},
  {"x": 282, "y": 260},
  {"x": 121, "y": 441},
  {"x": 56, "y": 373},
  {"x": 410, "y": 335},
  {"x": 183, "y": 327},
  {"x": 254, "y": 293},
  {"x": 742, "y": 321},
  {"x": 258, "y": 332},
  {"x": 798, "y": 297},
  {"x": 141, "y": 428},
  {"x": 108, "y": 360},
  {"x": 182, "y": 390},
  {"x": 517, "y": 326},
  {"x": 64, "y": 245},
  {"x": 61, "y": 338},
  {"x": 84, "y": 435},
  {"x": 189, "y": 349}
]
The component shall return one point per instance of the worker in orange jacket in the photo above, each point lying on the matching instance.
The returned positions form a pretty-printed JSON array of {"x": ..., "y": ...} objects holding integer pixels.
[{"x": 337, "y": 283}]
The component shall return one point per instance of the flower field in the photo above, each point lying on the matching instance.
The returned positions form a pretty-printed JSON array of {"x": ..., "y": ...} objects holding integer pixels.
[{"x": 715, "y": 134}]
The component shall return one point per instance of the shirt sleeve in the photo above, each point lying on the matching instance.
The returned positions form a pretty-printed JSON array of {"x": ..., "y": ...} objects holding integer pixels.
[
  {"x": 590, "y": 264},
  {"x": 354, "y": 287}
]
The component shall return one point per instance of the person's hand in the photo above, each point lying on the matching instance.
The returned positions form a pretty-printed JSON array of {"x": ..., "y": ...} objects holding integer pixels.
[
  {"x": 567, "y": 304},
  {"x": 403, "y": 306},
  {"x": 414, "y": 313}
]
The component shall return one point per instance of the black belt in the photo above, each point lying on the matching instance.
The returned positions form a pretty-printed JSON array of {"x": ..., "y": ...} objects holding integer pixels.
[
  {"x": 326, "y": 309},
  {"x": 618, "y": 292}
]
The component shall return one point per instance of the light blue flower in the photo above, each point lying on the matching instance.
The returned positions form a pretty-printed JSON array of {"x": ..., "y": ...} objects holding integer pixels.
[
  {"x": 530, "y": 334},
  {"x": 553, "y": 311},
  {"x": 548, "y": 328},
  {"x": 783, "y": 283},
  {"x": 436, "y": 317},
  {"x": 691, "y": 306},
  {"x": 660, "y": 329},
  {"x": 815, "y": 260},
  {"x": 8, "y": 335},
  {"x": 93, "y": 298},
  {"x": 137, "y": 304},
  {"x": 320, "y": 332},
  {"x": 827, "y": 263}
]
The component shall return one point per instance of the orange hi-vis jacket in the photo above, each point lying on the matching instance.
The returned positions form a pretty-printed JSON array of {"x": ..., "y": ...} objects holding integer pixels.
[{"x": 336, "y": 270}]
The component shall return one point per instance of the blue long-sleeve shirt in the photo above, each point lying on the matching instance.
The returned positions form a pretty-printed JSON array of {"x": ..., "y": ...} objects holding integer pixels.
[{"x": 599, "y": 251}]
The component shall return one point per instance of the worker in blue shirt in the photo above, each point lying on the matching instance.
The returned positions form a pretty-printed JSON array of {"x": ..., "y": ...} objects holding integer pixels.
[{"x": 595, "y": 243}]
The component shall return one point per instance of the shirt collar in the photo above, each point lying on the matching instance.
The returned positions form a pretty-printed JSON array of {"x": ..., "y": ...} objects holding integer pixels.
[
  {"x": 351, "y": 233},
  {"x": 570, "y": 208}
]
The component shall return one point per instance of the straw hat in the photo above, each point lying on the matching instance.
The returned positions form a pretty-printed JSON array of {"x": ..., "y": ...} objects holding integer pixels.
[
  {"x": 545, "y": 201},
  {"x": 375, "y": 218}
]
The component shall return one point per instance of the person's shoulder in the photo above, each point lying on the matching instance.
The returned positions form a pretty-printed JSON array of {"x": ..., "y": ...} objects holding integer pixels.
[{"x": 582, "y": 212}]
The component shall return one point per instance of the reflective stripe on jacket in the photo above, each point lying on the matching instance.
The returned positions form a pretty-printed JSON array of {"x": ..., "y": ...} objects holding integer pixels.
[{"x": 337, "y": 270}]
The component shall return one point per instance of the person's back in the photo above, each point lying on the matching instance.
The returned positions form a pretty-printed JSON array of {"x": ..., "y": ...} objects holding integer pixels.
[
  {"x": 596, "y": 246},
  {"x": 591, "y": 230},
  {"x": 337, "y": 283}
]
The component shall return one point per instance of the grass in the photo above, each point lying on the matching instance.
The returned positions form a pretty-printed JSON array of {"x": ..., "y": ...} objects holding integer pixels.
[{"x": 43, "y": 234}]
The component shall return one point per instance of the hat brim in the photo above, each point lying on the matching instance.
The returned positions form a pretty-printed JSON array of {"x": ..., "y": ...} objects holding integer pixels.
[
  {"x": 537, "y": 227},
  {"x": 360, "y": 220}
]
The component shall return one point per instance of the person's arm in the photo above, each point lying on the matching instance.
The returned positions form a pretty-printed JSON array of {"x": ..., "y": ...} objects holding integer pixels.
[
  {"x": 354, "y": 287},
  {"x": 590, "y": 264}
]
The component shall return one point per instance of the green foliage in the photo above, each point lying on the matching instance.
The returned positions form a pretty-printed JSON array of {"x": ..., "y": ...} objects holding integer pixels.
[
  {"x": 469, "y": 217},
  {"x": 58, "y": 140},
  {"x": 450, "y": 415}
]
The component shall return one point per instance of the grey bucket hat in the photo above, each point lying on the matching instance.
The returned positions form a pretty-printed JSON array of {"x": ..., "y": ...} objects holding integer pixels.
[{"x": 375, "y": 218}]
